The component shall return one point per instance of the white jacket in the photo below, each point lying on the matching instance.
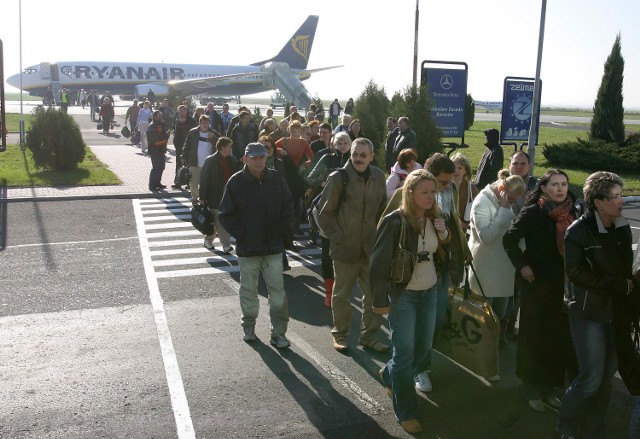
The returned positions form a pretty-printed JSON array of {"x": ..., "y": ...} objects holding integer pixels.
[
  {"x": 489, "y": 223},
  {"x": 396, "y": 178}
]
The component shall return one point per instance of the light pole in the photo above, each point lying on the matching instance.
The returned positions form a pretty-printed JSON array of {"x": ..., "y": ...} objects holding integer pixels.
[
  {"x": 21, "y": 112},
  {"x": 535, "y": 111},
  {"x": 415, "y": 47}
]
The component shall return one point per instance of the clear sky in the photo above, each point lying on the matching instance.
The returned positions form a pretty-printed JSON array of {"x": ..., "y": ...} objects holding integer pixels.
[{"x": 373, "y": 40}]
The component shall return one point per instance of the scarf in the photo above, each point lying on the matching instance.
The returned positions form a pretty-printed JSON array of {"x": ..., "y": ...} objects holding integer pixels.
[{"x": 560, "y": 213}]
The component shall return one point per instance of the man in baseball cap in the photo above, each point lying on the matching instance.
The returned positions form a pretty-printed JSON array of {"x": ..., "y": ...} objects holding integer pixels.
[{"x": 257, "y": 209}]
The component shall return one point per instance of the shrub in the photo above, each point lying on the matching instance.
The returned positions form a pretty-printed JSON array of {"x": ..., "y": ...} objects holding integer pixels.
[
  {"x": 54, "y": 140},
  {"x": 594, "y": 155},
  {"x": 372, "y": 108},
  {"x": 414, "y": 103}
]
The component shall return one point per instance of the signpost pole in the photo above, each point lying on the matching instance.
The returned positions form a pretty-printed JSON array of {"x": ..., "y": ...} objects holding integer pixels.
[{"x": 535, "y": 111}]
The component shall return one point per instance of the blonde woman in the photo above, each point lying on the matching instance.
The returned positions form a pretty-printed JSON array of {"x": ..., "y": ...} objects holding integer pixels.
[
  {"x": 411, "y": 306},
  {"x": 491, "y": 217}
]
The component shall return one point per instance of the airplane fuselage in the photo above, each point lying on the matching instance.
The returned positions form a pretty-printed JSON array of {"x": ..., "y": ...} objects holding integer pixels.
[{"x": 121, "y": 78}]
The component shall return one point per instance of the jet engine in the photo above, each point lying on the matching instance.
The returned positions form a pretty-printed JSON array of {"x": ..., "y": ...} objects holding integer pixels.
[{"x": 280, "y": 75}]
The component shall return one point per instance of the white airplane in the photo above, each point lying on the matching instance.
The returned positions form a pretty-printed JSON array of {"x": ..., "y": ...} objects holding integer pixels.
[{"x": 285, "y": 72}]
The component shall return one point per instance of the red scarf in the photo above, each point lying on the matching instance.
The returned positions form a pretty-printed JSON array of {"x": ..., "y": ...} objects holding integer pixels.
[{"x": 561, "y": 215}]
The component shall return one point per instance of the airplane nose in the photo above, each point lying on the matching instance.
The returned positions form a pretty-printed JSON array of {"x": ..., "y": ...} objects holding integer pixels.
[{"x": 14, "y": 80}]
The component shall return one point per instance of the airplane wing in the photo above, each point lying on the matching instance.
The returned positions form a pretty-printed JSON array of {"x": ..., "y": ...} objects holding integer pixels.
[
  {"x": 198, "y": 85},
  {"x": 320, "y": 69}
]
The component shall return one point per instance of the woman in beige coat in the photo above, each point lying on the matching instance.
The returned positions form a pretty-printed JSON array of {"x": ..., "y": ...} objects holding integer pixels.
[{"x": 491, "y": 216}]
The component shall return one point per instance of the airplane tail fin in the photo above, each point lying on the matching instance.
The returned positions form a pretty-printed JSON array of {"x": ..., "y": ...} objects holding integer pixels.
[{"x": 297, "y": 50}]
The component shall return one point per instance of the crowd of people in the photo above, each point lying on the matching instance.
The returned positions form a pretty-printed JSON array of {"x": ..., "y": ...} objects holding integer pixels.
[{"x": 556, "y": 270}]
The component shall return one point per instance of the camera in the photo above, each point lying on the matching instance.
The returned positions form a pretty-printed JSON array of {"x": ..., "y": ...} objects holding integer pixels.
[{"x": 424, "y": 257}]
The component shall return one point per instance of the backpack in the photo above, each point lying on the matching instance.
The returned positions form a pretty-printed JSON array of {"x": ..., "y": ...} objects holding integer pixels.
[{"x": 314, "y": 211}]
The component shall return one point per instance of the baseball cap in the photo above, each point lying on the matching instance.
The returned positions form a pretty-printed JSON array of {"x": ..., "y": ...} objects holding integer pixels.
[{"x": 255, "y": 150}]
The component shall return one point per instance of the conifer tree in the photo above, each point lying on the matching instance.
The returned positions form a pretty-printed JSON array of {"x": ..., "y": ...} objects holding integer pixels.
[{"x": 608, "y": 112}]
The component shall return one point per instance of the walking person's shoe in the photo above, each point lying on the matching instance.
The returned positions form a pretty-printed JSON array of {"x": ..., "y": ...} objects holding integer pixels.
[
  {"x": 208, "y": 242},
  {"x": 389, "y": 390},
  {"x": 422, "y": 382},
  {"x": 227, "y": 251},
  {"x": 176, "y": 186},
  {"x": 249, "y": 334},
  {"x": 537, "y": 405},
  {"x": 340, "y": 344},
  {"x": 375, "y": 344},
  {"x": 554, "y": 401},
  {"x": 411, "y": 426},
  {"x": 280, "y": 341}
]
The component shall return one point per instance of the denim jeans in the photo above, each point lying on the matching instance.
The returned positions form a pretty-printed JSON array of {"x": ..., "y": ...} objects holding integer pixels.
[
  {"x": 442, "y": 294},
  {"x": 585, "y": 402},
  {"x": 412, "y": 322},
  {"x": 271, "y": 268}
]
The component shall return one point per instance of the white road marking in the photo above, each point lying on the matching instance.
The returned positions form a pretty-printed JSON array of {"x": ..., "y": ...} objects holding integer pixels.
[
  {"x": 179, "y": 403},
  {"x": 97, "y": 241},
  {"x": 219, "y": 270},
  {"x": 166, "y": 217}
]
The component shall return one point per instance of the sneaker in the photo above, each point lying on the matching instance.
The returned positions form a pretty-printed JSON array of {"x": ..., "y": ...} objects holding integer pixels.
[
  {"x": 496, "y": 377},
  {"x": 554, "y": 402},
  {"x": 227, "y": 251},
  {"x": 249, "y": 334},
  {"x": 208, "y": 243},
  {"x": 280, "y": 341},
  {"x": 411, "y": 426},
  {"x": 536, "y": 404},
  {"x": 423, "y": 383}
]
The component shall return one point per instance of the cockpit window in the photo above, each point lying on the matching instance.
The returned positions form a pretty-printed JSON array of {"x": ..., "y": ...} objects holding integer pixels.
[{"x": 30, "y": 70}]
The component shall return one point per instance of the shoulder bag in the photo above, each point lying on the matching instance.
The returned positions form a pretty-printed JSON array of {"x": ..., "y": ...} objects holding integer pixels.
[{"x": 403, "y": 260}]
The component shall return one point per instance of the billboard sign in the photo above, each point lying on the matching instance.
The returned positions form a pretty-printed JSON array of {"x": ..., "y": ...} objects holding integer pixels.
[
  {"x": 447, "y": 89},
  {"x": 517, "y": 107}
]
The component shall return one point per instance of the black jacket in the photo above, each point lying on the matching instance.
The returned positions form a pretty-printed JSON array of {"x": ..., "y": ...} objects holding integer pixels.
[
  {"x": 190, "y": 150},
  {"x": 539, "y": 233},
  {"x": 257, "y": 212},
  {"x": 379, "y": 264},
  {"x": 598, "y": 264},
  {"x": 490, "y": 164},
  {"x": 211, "y": 184}
]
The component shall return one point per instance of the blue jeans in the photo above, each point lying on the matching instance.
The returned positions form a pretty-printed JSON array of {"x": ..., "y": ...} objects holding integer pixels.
[
  {"x": 585, "y": 402},
  {"x": 442, "y": 294},
  {"x": 412, "y": 322}
]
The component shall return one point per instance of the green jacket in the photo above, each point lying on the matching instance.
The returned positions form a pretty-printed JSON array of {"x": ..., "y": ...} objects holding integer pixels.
[
  {"x": 458, "y": 245},
  {"x": 352, "y": 228}
]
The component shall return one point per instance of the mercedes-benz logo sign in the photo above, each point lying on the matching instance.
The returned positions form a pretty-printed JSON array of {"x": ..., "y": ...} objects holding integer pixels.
[{"x": 446, "y": 82}]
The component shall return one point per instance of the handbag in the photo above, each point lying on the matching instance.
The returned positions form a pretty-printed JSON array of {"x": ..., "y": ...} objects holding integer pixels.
[
  {"x": 125, "y": 131},
  {"x": 403, "y": 260},
  {"x": 202, "y": 219},
  {"x": 99, "y": 126},
  {"x": 471, "y": 334},
  {"x": 135, "y": 137},
  {"x": 467, "y": 209},
  {"x": 184, "y": 176}
]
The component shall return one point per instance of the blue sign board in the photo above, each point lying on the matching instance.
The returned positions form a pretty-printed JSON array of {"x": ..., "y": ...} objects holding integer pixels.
[
  {"x": 447, "y": 90},
  {"x": 517, "y": 107}
]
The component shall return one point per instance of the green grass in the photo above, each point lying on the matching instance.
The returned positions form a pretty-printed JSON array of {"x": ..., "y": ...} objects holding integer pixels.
[
  {"x": 17, "y": 167},
  {"x": 13, "y": 122},
  {"x": 475, "y": 139}
]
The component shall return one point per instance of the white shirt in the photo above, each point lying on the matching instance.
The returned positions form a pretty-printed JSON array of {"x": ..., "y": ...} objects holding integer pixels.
[
  {"x": 205, "y": 148},
  {"x": 424, "y": 273}
]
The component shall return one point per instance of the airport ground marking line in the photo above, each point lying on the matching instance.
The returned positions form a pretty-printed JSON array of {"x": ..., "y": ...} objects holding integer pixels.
[
  {"x": 179, "y": 403},
  {"x": 95, "y": 241}
]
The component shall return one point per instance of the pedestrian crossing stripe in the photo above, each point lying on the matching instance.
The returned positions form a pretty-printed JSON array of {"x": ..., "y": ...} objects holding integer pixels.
[{"x": 176, "y": 247}]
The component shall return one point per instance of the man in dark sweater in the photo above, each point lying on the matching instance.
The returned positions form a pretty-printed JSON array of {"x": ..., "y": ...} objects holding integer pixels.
[{"x": 491, "y": 161}]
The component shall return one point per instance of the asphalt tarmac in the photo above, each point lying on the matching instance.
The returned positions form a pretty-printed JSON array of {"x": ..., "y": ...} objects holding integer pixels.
[{"x": 115, "y": 322}]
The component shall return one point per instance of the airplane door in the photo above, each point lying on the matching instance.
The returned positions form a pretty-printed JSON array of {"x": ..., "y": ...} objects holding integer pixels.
[
  {"x": 55, "y": 73},
  {"x": 45, "y": 72}
]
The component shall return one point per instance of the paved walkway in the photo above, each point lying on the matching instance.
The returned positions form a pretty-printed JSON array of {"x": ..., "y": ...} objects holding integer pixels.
[{"x": 125, "y": 160}]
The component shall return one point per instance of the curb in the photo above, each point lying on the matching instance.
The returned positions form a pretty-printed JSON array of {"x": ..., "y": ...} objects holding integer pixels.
[{"x": 89, "y": 197}]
